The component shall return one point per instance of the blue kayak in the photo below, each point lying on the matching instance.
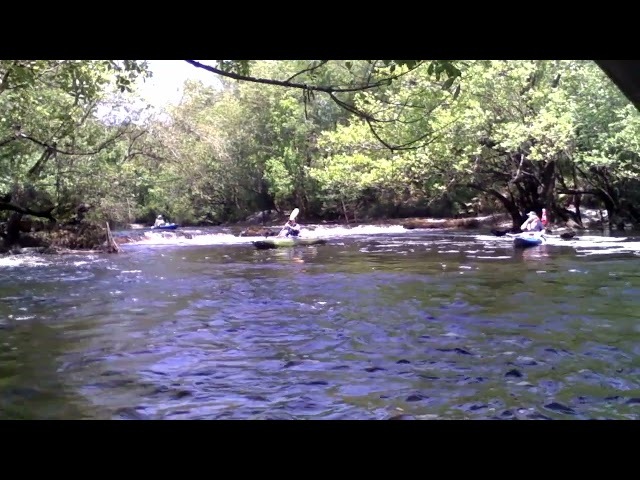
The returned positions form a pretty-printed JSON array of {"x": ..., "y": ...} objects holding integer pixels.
[
  {"x": 525, "y": 240},
  {"x": 169, "y": 226}
]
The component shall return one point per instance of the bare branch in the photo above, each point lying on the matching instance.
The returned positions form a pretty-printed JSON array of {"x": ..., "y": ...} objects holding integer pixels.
[
  {"x": 135, "y": 138},
  {"x": 54, "y": 149},
  {"x": 352, "y": 109},
  {"x": 44, "y": 158},
  {"x": 573, "y": 191},
  {"x": 517, "y": 177},
  {"x": 8, "y": 140},
  {"x": 491, "y": 191},
  {"x": 413, "y": 144},
  {"x": 310, "y": 69},
  {"x": 375, "y": 134},
  {"x": 493, "y": 171},
  {"x": 371, "y": 70}
]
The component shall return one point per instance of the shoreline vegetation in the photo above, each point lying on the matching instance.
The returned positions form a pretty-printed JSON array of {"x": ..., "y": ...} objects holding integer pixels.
[
  {"x": 90, "y": 237},
  {"x": 418, "y": 143}
]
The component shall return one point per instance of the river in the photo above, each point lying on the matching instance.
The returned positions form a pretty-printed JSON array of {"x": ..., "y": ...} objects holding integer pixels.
[{"x": 379, "y": 323}]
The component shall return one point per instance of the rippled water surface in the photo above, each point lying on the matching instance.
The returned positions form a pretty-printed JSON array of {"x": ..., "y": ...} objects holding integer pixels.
[{"x": 392, "y": 325}]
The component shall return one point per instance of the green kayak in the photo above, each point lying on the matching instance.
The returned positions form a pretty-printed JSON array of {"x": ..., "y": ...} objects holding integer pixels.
[{"x": 287, "y": 242}]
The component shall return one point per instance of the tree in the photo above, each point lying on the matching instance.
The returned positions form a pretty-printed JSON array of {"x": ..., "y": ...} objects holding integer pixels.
[{"x": 47, "y": 123}]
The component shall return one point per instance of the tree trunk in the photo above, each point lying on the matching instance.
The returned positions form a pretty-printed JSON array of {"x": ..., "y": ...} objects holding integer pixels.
[
  {"x": 344, "y": 209},
  {"x": 12, "y": 235},
  {"x": 577, "y": 197},
  {"x": 548, "y": 180},
  {"x": 509, "y": 205},
  {"x": 112, "y": 246}
]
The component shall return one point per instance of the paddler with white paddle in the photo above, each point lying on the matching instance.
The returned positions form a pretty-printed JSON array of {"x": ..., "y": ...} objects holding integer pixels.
[{"x": 291, "y": 228}]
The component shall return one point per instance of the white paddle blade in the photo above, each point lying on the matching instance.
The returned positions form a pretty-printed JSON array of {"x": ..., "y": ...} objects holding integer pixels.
[{"x": 294, "y": 214}]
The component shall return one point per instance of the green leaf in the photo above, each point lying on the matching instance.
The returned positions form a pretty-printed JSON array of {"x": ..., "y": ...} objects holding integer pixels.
[
  {"x": 453, "y": 71},
  {"x": 448, "y": 82},
  {"x": 349, "y": 65}
]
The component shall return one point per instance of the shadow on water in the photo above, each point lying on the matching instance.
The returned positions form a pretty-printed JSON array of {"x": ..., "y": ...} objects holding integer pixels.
[
  {"x": 397, "y": 326},
  {"x": 31, "y": 384}
]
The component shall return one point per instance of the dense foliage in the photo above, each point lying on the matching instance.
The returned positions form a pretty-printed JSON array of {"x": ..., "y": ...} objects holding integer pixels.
[{"x": 349, "y": 140}]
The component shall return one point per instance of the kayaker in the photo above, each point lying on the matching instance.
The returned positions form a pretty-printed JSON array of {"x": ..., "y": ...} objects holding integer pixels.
[
  {"x": 532, "y": 224},
  {"x": 159, "y": 221},
  {"x": 290, "y": 229}
]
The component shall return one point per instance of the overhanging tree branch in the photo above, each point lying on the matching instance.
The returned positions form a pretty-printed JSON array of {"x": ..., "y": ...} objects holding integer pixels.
[
  {"x": 350, "y": 108},
  {"x": 436, "y": 67},
  {"x": 54, "y": 149},
  {"x": 331, "y": 90},
  {"x": 27, "y": 211},
  {"x": 8, "y": 140},
  {"x": 303, "y": 86}
]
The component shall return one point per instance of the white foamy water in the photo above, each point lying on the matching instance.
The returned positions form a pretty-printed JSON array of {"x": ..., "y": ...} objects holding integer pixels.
[
  {"x": 586, "y": 244},
  {"x": 596, "y": 248},
  {"x": 583, "y": 244},
  {"x": 166, "y": 238},
  {"x": 22, "y": 261},
  {"x": 318, "y": 231},
  {"x": 341, "y": 231}
]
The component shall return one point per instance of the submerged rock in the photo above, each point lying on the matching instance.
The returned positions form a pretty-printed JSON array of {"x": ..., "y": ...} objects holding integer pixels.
[{"x": 560, "y": 408}]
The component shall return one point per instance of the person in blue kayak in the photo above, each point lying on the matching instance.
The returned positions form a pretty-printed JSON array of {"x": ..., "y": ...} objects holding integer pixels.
[
  {"x": 159, "y": 221},
  {"x": 532, "y": 224}
]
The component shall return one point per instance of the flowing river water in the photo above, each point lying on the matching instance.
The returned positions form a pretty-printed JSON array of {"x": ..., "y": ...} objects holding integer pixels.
[{"x": 379, "y": 323}]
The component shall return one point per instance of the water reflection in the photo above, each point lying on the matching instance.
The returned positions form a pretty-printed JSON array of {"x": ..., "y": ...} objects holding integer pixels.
[
  {"x": 289, "y": 255},
  {"x": 533, "y": 254},
  {"x": 32, "y": 380}
]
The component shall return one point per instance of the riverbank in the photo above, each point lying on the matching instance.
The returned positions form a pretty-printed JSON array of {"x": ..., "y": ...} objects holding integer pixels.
[{"x": 55, "y": 239}]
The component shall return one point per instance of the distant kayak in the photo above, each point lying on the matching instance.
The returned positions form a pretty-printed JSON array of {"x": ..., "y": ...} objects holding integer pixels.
[
  {"x": 525, "y": 240},
  {"x": 169, "y": 226},
  {"x": 280, "y": 242}
]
